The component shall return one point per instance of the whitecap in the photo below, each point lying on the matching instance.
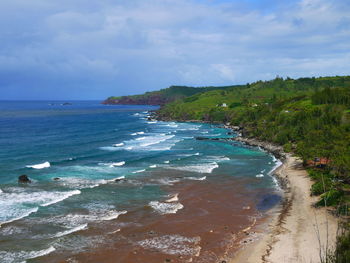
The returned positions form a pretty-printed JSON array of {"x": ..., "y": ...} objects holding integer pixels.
[
  {"x": 166, "y": 161},
  {"x": 197, "y": 178},
  {"x": 140, "y": 138},
  {"x": 151, "y": 122},
  {"x": 156, "y": 140},
  {"x": 39, "y": 166},
  {"x": 259, "y": 175},
  {"x": 166, "y": 181},
  {"x": 60, "y": 196},
  {"x": 218, "y": 158},
  {"x": 165, "y": 208},
  {"x": 172, "y": 125},
  {"x": 153, "y": 166},
  {"x": 138, "y": 133},
  {"x": 80, "y": 183},
  {"x": 117, "y": 164},
  {"x": 72, "y": 230},
  {"x": 118, "y": 144},
  {"x": 109, "y": 148},
  {"x": 111, "y": 215},
  {"x": 200, "y": 168},
  {"x": 138, "y": 171}
]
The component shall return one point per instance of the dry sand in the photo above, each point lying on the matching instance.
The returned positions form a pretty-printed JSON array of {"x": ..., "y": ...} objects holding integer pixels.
[{"x": 298, "y": 230}]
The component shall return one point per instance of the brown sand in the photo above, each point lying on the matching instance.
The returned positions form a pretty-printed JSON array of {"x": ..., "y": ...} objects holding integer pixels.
[{"x": 299, "y": 231}]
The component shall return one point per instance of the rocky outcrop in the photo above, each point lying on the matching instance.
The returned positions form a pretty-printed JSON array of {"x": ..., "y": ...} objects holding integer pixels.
[
  {"x": 276, "y": 150},
  {"x": 24, "y": 179}
]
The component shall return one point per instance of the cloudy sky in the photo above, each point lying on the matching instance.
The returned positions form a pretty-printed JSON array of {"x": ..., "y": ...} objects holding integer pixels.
[{"x": 78, "y": 49}]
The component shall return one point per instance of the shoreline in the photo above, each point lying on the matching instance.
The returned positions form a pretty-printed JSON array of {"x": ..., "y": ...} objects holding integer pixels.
[{"x": 296, "y": 231}]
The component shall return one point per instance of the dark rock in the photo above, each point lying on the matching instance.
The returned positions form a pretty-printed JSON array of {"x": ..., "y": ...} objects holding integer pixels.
[
  {"x": 167, "y": 260},
  {"x": 24, "y": 179},
  {"x": 208, "y": 139},
  {"x": 56, "y": 178},
  {"x": 119, "y": 179}
]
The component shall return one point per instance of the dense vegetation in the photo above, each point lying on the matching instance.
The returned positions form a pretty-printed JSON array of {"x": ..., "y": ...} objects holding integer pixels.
[
  {"x": 160, "y": 97},
  {"x": 309, "y": 116}
]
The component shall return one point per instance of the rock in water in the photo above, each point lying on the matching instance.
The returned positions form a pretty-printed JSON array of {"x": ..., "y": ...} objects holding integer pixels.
[{"x": 24, "y": 179}]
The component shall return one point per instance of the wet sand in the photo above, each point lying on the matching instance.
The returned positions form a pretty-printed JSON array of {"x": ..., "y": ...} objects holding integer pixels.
[
  {"x": 217, "y": 218},
  {"x": 298, "y": 231}
]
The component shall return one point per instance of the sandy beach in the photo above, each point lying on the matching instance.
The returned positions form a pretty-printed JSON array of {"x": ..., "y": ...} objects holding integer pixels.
[{"x": 297, "y": 232}]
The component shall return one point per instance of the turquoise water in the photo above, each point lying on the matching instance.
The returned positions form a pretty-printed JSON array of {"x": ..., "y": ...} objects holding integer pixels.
[{"x": 87, "y": 146}]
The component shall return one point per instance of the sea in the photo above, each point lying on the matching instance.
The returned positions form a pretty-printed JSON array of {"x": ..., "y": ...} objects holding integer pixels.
[{"x": 110, "y": 185}]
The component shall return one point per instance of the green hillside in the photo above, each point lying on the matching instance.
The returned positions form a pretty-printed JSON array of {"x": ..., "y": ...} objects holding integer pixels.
[
  {"x": 162, "y": 96},
  {"x": 205, "y": 106},
  {"x": 309, "y": 116}
]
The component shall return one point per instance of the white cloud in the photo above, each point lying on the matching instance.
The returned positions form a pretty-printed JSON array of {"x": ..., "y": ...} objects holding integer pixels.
[{"x": 145, "y": 45}]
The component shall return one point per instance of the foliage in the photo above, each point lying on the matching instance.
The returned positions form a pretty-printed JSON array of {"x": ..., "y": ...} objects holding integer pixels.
[{"x": 310, "y": 116}]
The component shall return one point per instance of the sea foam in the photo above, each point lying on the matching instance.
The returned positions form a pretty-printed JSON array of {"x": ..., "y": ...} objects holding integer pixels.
[
  {"x": 200, "y": 168},
  {"x": 22, "y": 256},
  {"x": 21, "y": 204},
  {"x": 173, "y": 245},
  {"x": 72, "y": 230},
  {"x": 166, "y": 208},
  {"x": 111, "y": 215},
  {"x": 60, "y": 196}
]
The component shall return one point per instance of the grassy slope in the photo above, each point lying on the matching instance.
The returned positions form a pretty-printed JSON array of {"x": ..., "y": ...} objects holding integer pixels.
[{"x": 197, "y": 106}]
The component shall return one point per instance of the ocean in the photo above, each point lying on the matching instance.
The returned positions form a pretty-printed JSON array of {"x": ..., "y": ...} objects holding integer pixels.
[{"x": 109, "y": 185}]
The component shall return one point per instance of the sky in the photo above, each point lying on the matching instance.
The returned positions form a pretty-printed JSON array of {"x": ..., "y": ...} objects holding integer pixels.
[{"x": 78, "y": 49}]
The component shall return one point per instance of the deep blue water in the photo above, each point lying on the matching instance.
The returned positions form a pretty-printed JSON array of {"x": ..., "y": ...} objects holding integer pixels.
[{"x": 87, "y": 145}]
